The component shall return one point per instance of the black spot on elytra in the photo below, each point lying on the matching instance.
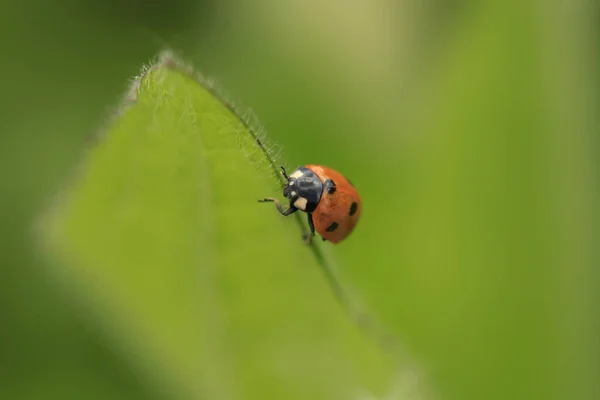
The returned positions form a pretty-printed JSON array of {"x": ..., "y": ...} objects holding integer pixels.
[
  {"x": 332, "y": 227},
  {"x": 330, "y": 186},
  {"x": 353, "y": 209}
]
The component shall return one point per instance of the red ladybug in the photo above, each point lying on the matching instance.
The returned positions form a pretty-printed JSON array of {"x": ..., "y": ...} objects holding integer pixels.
[{"x": 330, "y": 201}]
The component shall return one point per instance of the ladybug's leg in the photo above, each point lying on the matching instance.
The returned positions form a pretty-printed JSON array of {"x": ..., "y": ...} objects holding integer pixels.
[
  {"x": 285, "y": 175},
  {"x": 285, "y": 213},
  {"x": 308, "y": 236},
  {"x": 311, "y": 224}
]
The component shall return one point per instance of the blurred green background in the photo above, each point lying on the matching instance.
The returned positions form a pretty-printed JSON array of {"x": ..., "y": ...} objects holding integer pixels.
[{"x": 471, "y": 129}]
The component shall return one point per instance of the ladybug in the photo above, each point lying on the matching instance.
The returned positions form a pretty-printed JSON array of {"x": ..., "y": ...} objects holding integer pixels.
[{"x": 330, "y": 201}]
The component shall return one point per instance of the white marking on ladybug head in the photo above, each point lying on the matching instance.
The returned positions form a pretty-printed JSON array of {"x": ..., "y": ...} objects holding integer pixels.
[
  {"x": 292, "y": 183},
  {"x": 293, "y": 194},
  {"x": 301, "y": 203},
  {"x": 296, "y": 174}
]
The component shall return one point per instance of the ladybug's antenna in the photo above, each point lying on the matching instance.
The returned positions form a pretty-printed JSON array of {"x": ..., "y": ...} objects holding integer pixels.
[{"x": 284, "y": 173}]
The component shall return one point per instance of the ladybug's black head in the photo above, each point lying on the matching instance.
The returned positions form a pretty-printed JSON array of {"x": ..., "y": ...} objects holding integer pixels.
[{"x": 303, "y": 189}]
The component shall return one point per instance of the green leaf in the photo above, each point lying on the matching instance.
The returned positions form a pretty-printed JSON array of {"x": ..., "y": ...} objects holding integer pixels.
[{"x": 200, "y": 286}]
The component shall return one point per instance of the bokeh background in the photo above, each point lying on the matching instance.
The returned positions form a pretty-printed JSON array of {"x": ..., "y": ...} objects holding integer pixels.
[{"x": 471, "y": 128}]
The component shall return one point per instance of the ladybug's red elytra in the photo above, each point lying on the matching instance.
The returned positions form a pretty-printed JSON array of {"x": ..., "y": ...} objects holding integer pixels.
[{"x": 330, "y": 201}]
